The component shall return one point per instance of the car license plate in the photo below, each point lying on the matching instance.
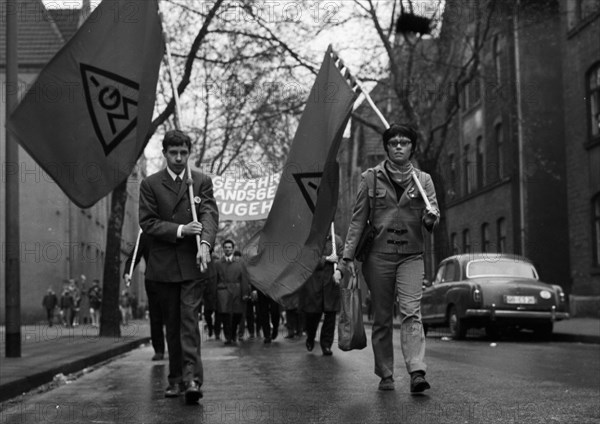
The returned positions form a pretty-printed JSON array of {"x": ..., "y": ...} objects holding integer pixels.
[{"x": 528, "y": 300}]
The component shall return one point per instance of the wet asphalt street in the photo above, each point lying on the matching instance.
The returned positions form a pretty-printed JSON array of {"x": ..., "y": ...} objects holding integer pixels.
[{"x": 473, "y": 381}]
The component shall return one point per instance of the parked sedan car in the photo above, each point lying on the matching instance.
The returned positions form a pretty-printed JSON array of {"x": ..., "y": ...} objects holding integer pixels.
[{"x": 493, "y": 291}]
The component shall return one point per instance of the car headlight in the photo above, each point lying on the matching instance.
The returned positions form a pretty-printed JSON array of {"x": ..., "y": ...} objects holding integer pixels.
[{"x": 545, "y": 294}]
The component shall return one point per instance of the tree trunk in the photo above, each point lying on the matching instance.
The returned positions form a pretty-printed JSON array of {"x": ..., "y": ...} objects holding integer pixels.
[{"x": 110, "y": 317}]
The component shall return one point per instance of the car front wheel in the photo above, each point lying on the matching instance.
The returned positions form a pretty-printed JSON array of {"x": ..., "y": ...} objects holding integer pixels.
[{"x": 458, "y": 329}]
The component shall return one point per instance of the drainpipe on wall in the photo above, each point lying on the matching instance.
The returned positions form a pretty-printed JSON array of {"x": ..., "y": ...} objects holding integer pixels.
[{"x": 520, "y": 140}]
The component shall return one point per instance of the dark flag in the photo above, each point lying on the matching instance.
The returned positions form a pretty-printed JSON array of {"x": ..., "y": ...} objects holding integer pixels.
[
  {"x": 286, "y": 251},
  {"x": 85, "y": 118}
]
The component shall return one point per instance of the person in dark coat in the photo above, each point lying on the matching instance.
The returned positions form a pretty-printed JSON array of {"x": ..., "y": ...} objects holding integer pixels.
[
  {"x": 175, "y": 260},
  {"x": 232, "y": 292},
  {"x": 49, "y": 303},
  {"x": 67, "y": 304},
  {"x": 95, "y": 300},
  {"x": 321, "y": 296},
  {"x": 209, "y": 302},
  {"x": 269, "y": 315}
]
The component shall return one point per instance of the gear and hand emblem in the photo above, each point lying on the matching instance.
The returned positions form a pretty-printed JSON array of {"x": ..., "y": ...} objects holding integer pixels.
[{"x": 112, "y": 102}]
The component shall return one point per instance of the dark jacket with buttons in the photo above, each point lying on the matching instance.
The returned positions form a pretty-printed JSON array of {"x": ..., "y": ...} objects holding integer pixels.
[
  {"x": 399, "y": 222},
  {"x": 163, "y": 207}
]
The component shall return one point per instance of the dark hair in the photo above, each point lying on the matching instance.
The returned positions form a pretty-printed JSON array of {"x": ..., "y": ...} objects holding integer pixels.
[
  {"x": 176, "y": 138},
  {"x": 228, "y": 241},
  {"x": 402, "y": 130},
  {"x": 237, "y": 253}
]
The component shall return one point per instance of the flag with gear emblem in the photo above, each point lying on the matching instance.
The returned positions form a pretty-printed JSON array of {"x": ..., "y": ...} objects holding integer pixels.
[{"x": 90, "y": 132}]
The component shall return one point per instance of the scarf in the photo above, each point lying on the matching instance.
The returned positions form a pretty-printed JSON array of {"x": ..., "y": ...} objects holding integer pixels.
[{"x": 399, "y": 174}]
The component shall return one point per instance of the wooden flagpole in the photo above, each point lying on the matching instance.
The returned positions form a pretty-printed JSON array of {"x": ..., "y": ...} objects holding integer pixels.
[
  {"x": 135, "y": 250},
  {"x": 189, "y": 180},
  {"x": 383, "y": 120}
]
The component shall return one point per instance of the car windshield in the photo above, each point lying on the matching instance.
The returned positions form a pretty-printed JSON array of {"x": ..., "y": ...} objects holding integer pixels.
[{"x": 500, "y": 268}]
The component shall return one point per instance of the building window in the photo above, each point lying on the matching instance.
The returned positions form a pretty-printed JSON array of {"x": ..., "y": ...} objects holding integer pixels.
[
  {"x": 467, "y": 170},
  {"x": 580, "y": 10},
  {"x": 470, "y": 93},
  {"x": 466, "y": 241},
  {"x": 497, "y": 52},
  {"x": 596, "y": 228},
  {"x": 501, "y": 235},
  {"x": 485, "y": 237},
  {"x": 480, "y": 163},
  {"x": 499, "y": 136},
  {"x": 594, "y": 102},
  {"x": 452, "y": 176},
  {"x": 454, "y": 244}
]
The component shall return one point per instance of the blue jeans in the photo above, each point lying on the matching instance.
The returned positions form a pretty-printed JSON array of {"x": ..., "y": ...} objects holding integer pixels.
[{"x": 389, "y": 276}]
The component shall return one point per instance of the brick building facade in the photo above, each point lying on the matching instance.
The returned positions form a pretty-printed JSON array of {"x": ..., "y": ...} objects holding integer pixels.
[
  {"x": 580, "y": 36},
  {"x": 508, "y": 184},
  {"x": 58, "y": 240}
]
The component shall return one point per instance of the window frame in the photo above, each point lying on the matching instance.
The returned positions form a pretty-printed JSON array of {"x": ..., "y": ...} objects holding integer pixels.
[
  {"x": 485, "y": 237},
  {"x": 595, "y": 215},
  {"x": 501, "y": 234},
  {"x": 479, "y": 162},
  {"x": 593, "y": 92},
  {"x": 499, "y": 139},
  {"x": 466, "y": 237}
]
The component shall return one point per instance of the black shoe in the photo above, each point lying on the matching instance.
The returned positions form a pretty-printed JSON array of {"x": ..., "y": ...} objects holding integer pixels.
[
  {"x": 327, "y": 351},
  {"x": 172, "y": 391},
  {"x": 418, "y": 384},
  {"x": 228, "y": 343},
  {"x": 267, "y": 341},
  {"x": 158, "y": 357},
  {"x": 310, "y": 345},
  {"x": 386, "y": 383},
  {"x": 192, "y": 392},
  {"x": 289, "y": 336}
]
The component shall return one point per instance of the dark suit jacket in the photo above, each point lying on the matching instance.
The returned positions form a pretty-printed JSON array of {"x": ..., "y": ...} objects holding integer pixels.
[{"x": 162, "y": 209}]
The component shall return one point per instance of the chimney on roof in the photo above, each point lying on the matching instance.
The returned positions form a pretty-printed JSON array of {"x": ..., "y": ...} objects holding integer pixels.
[{"x": 86, "y": 9}]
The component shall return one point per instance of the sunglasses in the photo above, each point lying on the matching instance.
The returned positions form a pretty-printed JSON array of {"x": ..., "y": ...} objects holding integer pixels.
[{"x": 396, "y": 143}]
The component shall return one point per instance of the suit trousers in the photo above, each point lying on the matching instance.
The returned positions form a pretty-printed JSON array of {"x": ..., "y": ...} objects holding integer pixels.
[
  {"x": 180, "y": 303},
  {"x": 156, "y": 316},
  {"x": 231, "y": 323},
  {"x": 389, "y": 275},
  {"x": 268, "y": 313},
  {"x": 327, "y": 329}
]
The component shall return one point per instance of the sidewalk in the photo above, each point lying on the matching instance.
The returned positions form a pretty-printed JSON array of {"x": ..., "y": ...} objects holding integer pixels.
[
  {"x": 47, "y": 352},
  {"x": 50, "y": 351},
  {"x": 581, "y": 330}
]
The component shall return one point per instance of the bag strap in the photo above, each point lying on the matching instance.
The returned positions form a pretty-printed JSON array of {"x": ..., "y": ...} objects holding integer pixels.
[{"x": 372, "y": 200}]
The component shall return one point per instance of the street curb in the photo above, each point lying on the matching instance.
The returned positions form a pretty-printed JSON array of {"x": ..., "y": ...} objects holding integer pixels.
[
  {"x": 581, "y": 338},
  {"x": 18, "y": 387}
]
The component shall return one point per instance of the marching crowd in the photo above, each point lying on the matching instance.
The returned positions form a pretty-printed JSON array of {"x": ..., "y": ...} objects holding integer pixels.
[{"x": 395, "y": 206}]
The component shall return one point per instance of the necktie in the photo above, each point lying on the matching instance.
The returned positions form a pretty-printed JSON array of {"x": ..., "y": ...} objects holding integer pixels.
[{"x": 178, "y": 182}]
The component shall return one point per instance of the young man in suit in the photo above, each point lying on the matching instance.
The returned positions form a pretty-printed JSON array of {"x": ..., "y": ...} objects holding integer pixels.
[{"x": 175, "y": 263}]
